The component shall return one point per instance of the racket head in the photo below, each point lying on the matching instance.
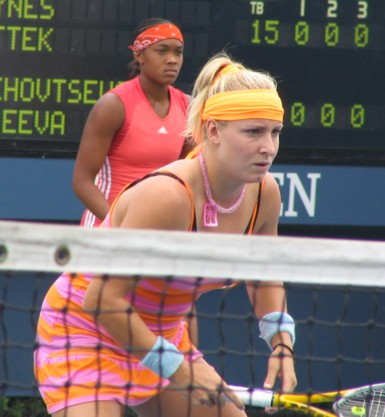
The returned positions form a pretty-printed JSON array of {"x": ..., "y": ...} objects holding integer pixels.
[{"x": 368, "y": 401}]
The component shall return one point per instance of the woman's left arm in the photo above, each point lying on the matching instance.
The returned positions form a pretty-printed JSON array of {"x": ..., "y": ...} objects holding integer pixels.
[
  {"x": 277, "y": 329},
  {"x": 268, "y": 299}
]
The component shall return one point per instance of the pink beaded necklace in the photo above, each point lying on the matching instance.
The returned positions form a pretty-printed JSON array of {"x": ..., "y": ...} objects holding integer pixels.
[{"x": 211, "y": 207}]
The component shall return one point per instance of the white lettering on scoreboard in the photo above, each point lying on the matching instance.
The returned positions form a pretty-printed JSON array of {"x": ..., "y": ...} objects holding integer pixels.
[{"x": 300, "y": 191}]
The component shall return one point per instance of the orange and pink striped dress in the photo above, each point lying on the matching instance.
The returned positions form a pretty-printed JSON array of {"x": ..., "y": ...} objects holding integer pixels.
[{"x": 76, "y": 360}]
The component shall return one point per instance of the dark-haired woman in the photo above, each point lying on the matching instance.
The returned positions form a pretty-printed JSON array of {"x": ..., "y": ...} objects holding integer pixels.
[{"x": 136, "y": 127}]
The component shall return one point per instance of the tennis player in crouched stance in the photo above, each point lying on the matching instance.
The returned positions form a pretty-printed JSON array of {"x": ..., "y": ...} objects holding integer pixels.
[{"x": 108, "y": 342}]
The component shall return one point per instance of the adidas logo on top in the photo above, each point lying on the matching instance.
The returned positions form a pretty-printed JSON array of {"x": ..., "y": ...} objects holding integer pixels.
[{"x": 162, "y": 131}]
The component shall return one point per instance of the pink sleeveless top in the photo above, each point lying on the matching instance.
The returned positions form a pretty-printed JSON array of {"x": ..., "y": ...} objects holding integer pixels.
[{"x": 144, "y": 143}]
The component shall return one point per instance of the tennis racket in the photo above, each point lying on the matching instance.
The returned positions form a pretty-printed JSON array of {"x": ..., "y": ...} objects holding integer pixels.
[{"x": 366, "y": 401}]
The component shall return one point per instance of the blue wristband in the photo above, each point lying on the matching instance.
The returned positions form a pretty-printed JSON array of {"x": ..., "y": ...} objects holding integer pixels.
[
  {"x": 164, "y": 358},
  {"x": 274, "y": 323}
]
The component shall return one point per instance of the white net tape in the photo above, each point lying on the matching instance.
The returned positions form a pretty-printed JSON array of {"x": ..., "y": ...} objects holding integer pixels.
[
  {"x": 55, "y": 248},
  {"x": 335, "y": 290}
]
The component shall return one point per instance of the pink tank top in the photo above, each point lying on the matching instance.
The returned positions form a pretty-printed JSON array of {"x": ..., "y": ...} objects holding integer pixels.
[{"x": 144, "y": 143}]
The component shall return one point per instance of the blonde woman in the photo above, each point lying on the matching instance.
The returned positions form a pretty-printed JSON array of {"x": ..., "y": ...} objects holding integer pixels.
[{"x": 119, "y": 349}]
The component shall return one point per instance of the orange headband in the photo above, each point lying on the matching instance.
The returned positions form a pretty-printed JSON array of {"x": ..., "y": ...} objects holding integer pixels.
[
  {"x": 156, "y": 34},
  {"x": 244, "y": 104},
  {"x": 227, "y": 69}
]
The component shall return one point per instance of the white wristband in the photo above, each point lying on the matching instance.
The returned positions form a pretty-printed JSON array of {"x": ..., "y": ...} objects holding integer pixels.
[
  {"x": 274, "y": 323},
  {"x": 164, "y": 358}
]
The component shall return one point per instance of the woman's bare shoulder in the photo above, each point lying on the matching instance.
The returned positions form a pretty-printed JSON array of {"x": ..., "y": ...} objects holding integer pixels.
[{"x": 159, "y": 202}]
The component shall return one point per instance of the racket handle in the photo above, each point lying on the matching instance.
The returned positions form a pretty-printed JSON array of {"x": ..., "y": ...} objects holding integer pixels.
[{"x": 255, "y": 397}]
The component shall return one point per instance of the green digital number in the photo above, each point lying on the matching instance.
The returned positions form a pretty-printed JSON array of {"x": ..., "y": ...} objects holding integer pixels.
[
  {"x": 256, "y": 38},
  {"x": 332, "y": 34},
  {"x": 301, "y": 33},
  {"x": 297, "y": 114},
  {"x": 272, "y": 33},
  {"x": 270, "y": 29},
  {"x": 357, "y": 116},
  {"x": 328, "y": 115},
  {"x": 361, "y": 35}
]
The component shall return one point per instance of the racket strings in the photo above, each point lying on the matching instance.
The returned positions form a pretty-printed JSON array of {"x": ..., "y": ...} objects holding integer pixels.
[
  {"x": 372, "y": 404},
  {"x": 377, "y": 404}
]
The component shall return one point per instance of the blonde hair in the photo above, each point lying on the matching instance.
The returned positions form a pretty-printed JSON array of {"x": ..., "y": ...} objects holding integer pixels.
[{"x": 210, "y": 82}]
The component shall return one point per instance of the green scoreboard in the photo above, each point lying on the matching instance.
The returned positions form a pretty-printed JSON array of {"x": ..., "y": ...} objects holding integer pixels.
[{"x": 58, "y": 56}]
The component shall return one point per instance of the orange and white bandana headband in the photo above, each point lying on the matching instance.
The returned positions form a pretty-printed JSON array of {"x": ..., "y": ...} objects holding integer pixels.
[
  {"x": 244, "y": 104},
  {"x": 156, "y": 34}
]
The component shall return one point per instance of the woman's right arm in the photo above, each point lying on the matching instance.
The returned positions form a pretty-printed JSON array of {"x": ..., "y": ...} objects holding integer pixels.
[
  {"x": 104, "y": 120},
  {"x": 108, "y": 300}
]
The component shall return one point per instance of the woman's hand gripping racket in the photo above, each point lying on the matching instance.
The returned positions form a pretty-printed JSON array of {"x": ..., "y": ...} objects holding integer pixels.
[{"x": 366, "y": 401}]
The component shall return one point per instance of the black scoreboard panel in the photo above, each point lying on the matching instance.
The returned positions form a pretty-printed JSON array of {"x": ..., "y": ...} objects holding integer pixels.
[{"x": 58, "y": 56}]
